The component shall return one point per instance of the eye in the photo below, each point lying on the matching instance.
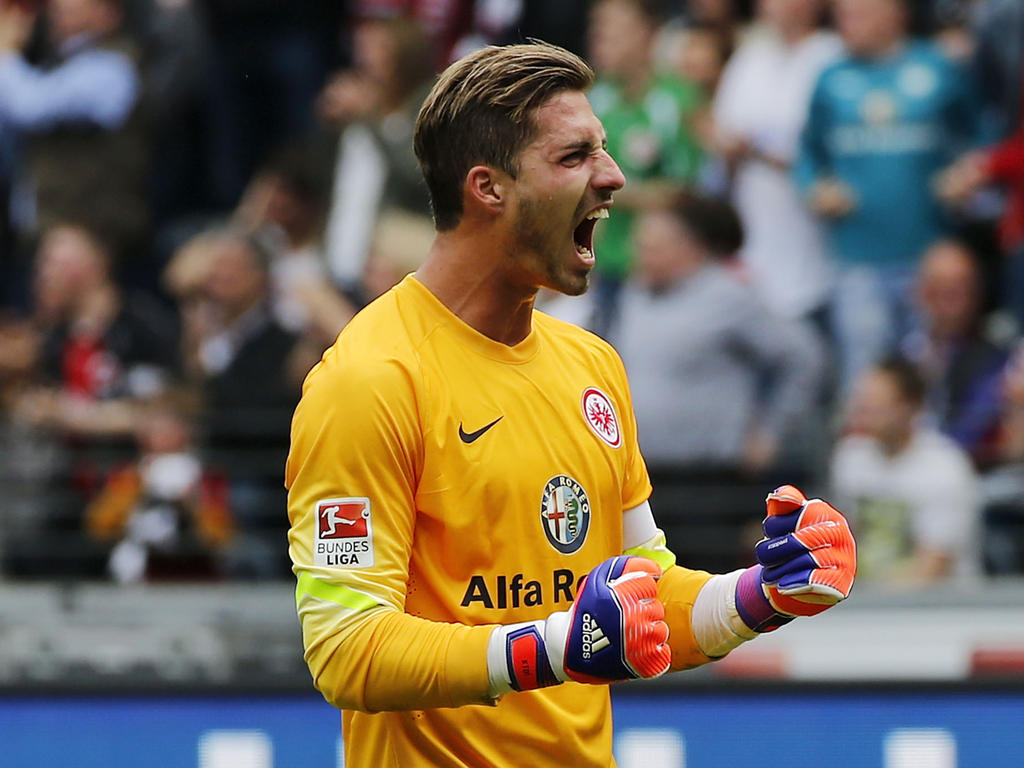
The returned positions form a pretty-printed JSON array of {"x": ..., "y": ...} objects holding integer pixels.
[{"x": 575, "y": 158}]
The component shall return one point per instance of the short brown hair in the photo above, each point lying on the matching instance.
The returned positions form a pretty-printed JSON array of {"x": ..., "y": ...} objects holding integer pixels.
[
  {"x": 480, "y": 111},
  {"x": 907, "y": 377},
  {"x": 712, "y": 221}
]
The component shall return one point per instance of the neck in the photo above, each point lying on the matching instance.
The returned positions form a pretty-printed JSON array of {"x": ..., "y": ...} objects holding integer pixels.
[
  {"x": 794, "y": 34},
  {"x": 885, "y": 48},
  {"x": 895, "y": 444},
  {"x": 233, "y": 313},
  {"x": 95, "y": 310},
  {"x": 467, "y": 272}
]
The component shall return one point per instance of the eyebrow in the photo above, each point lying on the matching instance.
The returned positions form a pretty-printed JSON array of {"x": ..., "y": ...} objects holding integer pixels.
[{"x": 583, "y": 144}]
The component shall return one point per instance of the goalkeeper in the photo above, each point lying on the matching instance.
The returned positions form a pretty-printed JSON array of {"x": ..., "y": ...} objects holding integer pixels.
[{"x": 475, "y": 552}]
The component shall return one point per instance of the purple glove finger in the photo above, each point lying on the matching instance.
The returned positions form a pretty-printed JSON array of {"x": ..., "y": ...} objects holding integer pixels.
[
  {"x": 778, "y": 550},
  {"x": 802, "y": 564},
  {"x": 780, "y": 525}
]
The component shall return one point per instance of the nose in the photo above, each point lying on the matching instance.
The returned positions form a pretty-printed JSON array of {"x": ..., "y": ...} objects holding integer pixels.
[{"x": 609, "y": 176}]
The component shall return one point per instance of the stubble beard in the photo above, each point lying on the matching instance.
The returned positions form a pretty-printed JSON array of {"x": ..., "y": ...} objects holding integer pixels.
[{"x": 536, "y": 235}]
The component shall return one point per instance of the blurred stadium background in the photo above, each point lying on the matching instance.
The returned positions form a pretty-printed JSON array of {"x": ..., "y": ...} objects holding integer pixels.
[{"x": 198, "y": 194}]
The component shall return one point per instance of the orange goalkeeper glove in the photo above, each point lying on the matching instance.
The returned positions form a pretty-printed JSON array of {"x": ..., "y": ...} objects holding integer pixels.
[
  {"x": 807, "y": 562},
  {"x": 614, "y": 630}
]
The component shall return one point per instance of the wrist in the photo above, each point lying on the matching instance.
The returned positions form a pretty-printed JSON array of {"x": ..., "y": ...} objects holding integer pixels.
[
  {"x": 717, "y": 626},
  {"x": 752, "y": 604},
  {"x": 527, "y": 655}
]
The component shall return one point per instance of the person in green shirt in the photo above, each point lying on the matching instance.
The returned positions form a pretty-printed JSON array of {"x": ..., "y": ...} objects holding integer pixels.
[{"x": 648, "y": 117}]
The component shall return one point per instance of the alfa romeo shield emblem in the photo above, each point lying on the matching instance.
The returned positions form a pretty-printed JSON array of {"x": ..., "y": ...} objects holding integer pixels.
[
  {"x": 601, "y": 416},
  {"x": 565, "y": 514}
]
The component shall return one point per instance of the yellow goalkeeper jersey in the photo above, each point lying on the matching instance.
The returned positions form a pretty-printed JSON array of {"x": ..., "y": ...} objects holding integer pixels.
[{"x": 441, "y": 483}]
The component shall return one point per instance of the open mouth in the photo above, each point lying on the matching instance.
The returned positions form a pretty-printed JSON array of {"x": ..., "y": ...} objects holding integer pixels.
[{"x": 583, "y": 235}]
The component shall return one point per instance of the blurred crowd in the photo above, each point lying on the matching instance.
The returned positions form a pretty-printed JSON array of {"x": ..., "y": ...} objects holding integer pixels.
[{"x": 815, "y": 274}]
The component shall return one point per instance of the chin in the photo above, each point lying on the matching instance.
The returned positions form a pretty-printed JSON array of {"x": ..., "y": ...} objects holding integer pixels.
[{"x": 572, "y": 285}]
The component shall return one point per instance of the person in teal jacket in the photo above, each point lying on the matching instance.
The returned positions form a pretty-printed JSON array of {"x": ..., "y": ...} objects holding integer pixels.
[{"x": 883, "y": 122}]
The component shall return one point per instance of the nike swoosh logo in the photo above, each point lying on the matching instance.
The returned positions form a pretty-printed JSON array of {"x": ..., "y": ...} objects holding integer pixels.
[{"x": 469, "y": 437}]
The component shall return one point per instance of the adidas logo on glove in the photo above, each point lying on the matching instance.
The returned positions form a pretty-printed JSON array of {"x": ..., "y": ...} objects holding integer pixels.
[{"x": 593, "y": 636}]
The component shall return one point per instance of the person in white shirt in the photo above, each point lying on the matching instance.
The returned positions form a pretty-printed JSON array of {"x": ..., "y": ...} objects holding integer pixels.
[
  {"x": 758, "y": 112},
  {"x": 911, "y": 492}
]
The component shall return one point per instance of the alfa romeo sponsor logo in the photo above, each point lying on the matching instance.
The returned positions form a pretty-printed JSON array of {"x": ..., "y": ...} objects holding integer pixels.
[
  {"x": 565, "y": 514},
  {"x": 600, "y": 415}
]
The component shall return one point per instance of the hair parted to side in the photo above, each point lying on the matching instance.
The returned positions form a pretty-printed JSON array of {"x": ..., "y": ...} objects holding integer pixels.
[{"x": 480, "y": 112}]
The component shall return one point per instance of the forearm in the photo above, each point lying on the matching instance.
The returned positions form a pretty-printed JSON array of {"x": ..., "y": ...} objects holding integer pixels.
[
  {"x": 678, "y": 589},
  {"x": 387, "y": 660},
  {"x": 96, "y": 86}
]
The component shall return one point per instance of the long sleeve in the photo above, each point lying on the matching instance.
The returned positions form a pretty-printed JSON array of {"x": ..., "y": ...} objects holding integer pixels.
[
  {"x": 812, "y": 160},
  {"x": 95, "y": 86},
  {"x": 380, "y": 659},
  {"x": 356, "y": 453},
  {"x": 678, "y": 588}
]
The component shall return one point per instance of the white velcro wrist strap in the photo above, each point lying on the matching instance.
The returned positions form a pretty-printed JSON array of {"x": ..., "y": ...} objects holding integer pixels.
[
  {"x": 717, "y": 625},
  {"x": 556, "y": 631}
]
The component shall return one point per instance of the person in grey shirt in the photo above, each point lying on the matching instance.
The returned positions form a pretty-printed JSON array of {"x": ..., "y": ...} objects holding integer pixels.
[{"x": 718, "y": 380}]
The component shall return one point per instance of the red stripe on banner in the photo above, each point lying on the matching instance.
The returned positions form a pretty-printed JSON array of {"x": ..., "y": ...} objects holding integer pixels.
[
  {"x": 753, "y": 663},
  {"x": 997, "y": 662}
]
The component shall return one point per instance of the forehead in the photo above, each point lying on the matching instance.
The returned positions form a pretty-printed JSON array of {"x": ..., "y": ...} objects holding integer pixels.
[
  {"x": 879, "y": 386},
  {"x": 566, "y": 119},
  {"x": 945, "y": 260}
]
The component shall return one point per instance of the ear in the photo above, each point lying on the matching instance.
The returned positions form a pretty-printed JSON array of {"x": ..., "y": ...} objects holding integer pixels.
[{"x": 487, "y": 187}]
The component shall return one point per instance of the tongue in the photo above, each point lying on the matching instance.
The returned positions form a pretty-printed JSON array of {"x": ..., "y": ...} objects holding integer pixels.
[{"x": 584, "y": 234}]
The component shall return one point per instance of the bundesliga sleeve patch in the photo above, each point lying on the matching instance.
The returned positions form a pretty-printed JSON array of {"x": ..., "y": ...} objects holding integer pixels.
[{"x": 343, "y": 533}]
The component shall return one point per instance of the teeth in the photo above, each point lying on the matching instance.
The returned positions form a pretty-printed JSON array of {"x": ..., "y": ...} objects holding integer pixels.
[
  {"x": 600, "y": 213},
  {"x": 583, "y": 250}
]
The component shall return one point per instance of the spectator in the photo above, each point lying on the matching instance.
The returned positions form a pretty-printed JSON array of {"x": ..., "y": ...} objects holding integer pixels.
[
  {"x": 1012, "y": 432},
  {"x": 999, "y": 63},
  {"x": 759, "y": 110},
  {"x": 648, "y": 120},
  {"x": 911, "y": 492},
  {"x": 284, "y": 203},
  {"x": 85, "y": 149},
  {"x": 374, "y": 104},
  {"x": 727, "y": 17},
  {"x": 556, "y": 23},
  {"x": 101, "y": 350},
  {"x": 167, "y": 514},
  {"x": 718, "y": 381},
  {"x": 882, "y": 122},
  {"x": 446, "y": 22},
  {"x": 401, "y": 242},
  {"x": 1000, "y": 164},
  {"x": 232, "y": 339},
  {"x": 963, "y": 370},
  {"x": 77, "y": 373},
  {"x": 695, "y": 53},
  {"x": 248, "y": 370},
  {"x": 1004, "y": 484},
  {"x": 269, "y": 60},
  {"x": 188, "y": 174}
]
